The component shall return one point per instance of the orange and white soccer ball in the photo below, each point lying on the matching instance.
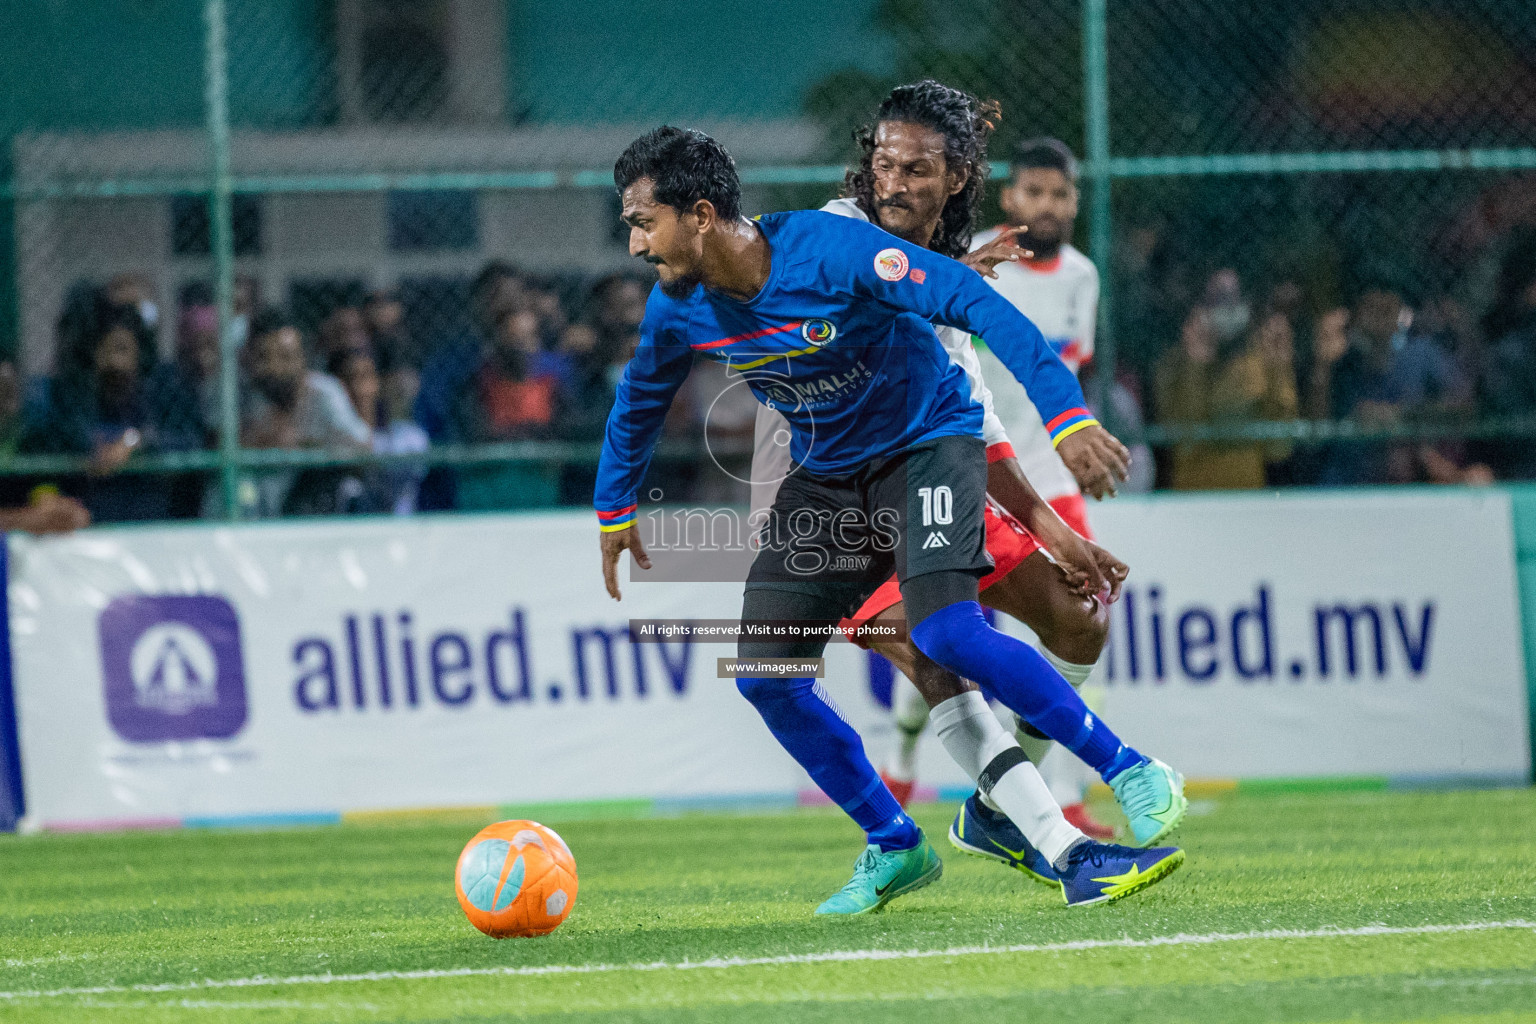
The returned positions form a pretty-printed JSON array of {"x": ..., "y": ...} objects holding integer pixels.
[{"x": 516, "y": 878}]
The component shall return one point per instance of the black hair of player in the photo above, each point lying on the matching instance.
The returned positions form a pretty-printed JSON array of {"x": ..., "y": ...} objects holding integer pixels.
[
  {"x": 684, "y": 166},
  {"x": 1052, "y": 154},
  {"x": 966, "y": 124}
]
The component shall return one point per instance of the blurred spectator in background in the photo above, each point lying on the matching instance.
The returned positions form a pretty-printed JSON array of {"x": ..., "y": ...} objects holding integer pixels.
[
  {"x": 505, "y": 396},
  {"x": 246, "y": 301},
  {"x": 1509, "y": 388},
  {"x": 601, "y": 345},
  {"x": 138, "y": 291},
  {"x": 1286, "y": 298},
  {"x": 450, "y": 367},
  {"x": 197, "y": 349},
  {"x": 497, "y": 289},
  {"x": 384, "y": 315},
  {"x": 108, "y": 402},
  {"x": 1226, "y": 310},
  {"x": 1127, "y": 421},
  {"x": 1207, "y": 381},
  {"x": 516, "y": 396},
  {"x": 454, "y": 362},
  {"x": 288, "y": 405},
  {"x": 542, "y": 298},
  {"x": 615, "y": 307},
  {"x": 343, "y": 330},
  {"x": 383, "y": 402},
  {"x": 1369, "y": 366},
  {"x": 195, "y": 369}
]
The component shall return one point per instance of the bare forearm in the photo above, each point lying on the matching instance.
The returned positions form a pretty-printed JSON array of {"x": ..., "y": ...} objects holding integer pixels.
[{"x": 1011, "y": 489}]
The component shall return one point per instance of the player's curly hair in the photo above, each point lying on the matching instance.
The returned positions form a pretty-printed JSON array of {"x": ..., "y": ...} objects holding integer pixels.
[
  {"x": 684, "y": 166},
  {"x": 966, "y": 124}
]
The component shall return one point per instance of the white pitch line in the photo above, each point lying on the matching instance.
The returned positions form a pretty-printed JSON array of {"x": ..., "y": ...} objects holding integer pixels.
[{"x": 833, "y": 956}]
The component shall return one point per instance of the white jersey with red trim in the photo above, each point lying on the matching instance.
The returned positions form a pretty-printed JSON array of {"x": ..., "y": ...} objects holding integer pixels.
[
  {"x": 770, "y": 438},
  {"x": 1062, "y": 297}
]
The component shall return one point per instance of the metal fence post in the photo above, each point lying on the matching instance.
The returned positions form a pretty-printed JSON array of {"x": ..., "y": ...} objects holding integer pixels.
[
  {"x": 1100, "y": 224},
  {"x": 222, "y": 238}
]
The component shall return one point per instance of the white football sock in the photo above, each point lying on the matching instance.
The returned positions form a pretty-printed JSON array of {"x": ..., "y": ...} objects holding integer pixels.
[
  {"x": 974, "y": 738},
  {"x": 1074, "y": 673},
  {"x": 1036, "y": 747}
]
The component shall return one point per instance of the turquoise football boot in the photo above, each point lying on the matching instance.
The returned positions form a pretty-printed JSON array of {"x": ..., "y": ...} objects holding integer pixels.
[
  {"x": 879, "y": 877},
  {"x": 982, "y": 832},
  {"x": 1152, "y": 796}
]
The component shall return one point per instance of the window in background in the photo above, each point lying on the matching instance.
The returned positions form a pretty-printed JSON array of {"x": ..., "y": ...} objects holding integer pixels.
[
  {"x": 421, "y": 221},
  {"x": 192, "y": 236}
]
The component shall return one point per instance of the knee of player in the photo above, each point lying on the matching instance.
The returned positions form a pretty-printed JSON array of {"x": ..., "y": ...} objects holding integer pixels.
[
  {"x": 1090, "y": 626},
  {"x": 761, "y": 690},
  {"x": 950, "y": 634},
  {"x": 935, "y": 682},
  {"x": 901, "y": 654},
  {"x": 1078, "y": 630}
]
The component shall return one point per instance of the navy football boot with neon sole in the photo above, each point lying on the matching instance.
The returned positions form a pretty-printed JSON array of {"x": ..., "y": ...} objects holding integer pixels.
[
  {"x": 1103, "y": 872},
  {"x": 982, "y": 832}
]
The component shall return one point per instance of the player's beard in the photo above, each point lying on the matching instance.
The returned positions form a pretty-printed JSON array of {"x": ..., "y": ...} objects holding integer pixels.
[
  {"x": 679, "y": 286},
  {"x": 1044, "y": 239},
  {"x": 902, "y": 219}
]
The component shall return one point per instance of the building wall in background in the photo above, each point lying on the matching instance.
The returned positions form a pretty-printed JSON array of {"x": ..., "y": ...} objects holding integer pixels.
[
  {"x": 650, "y": 60},
  {"x": 65, "y": 66}
]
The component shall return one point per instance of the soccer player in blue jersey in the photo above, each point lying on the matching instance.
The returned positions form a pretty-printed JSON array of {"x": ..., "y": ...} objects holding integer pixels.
[{"x": 828, "y": 319}]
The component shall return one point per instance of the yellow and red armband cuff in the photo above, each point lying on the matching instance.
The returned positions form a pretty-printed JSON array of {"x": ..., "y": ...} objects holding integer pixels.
[
  {"x": 618, "y": 519},
  {"x": 1069, "y": 423}
]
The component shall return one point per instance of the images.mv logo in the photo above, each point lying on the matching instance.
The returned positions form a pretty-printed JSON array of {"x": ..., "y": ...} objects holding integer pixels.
[{"x": 172, "y": 668}]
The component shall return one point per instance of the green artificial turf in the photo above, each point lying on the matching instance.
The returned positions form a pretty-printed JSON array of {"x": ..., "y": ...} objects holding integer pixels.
[{"x": 122, "y": 913}]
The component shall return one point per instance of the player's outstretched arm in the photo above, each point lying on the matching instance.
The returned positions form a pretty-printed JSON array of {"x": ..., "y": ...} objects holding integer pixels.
[
  {"x": 614, "y": 544},
  {"x": 1089, "y": 568},
  {"x": 948, "y": 292},
  {"x": 649, "y": 383}
]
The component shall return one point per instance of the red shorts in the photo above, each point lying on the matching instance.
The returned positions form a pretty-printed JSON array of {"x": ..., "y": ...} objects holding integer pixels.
[
  {"x": 1008, "y": 543},
  {"x": 1074, "y": 512}
]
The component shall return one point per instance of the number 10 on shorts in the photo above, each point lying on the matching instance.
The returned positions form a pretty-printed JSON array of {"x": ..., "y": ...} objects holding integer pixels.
[{"x": 938, "y": 505}]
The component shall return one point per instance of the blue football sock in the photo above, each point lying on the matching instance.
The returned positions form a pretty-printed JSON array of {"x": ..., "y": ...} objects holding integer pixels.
[
  {"x": 807, "y": 725},
  {"x": 1017, "y": 676}
]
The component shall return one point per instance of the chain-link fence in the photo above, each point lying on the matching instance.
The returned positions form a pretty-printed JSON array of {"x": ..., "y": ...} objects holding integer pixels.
[{"x": 363, "y": 255}]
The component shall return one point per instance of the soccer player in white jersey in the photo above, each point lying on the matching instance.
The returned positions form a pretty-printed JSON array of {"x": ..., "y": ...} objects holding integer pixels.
[
  {"x": 901, "y": 187},
  {"x": 1058, "y": 288}
]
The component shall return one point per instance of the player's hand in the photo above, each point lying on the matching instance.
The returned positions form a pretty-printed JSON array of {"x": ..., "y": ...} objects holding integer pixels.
[
  {"x": 1097, "y": 460},
  {"x": 1090, "y": 570},
  {"x": 1004, "y": 248},
  {"x": 614, "y": 544},
  {"x": 1111, "y": 568}
]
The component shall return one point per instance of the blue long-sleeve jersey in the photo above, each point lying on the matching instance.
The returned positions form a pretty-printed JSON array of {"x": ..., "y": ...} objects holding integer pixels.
[{"x": 839, "y": 340}]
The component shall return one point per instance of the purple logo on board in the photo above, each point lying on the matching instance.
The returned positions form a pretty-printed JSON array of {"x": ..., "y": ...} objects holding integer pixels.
[{"x": 172, "y": 668}]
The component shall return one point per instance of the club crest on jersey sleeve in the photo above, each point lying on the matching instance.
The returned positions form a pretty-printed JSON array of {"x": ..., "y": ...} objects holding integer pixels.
[{"x": 891, "y": 264}]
